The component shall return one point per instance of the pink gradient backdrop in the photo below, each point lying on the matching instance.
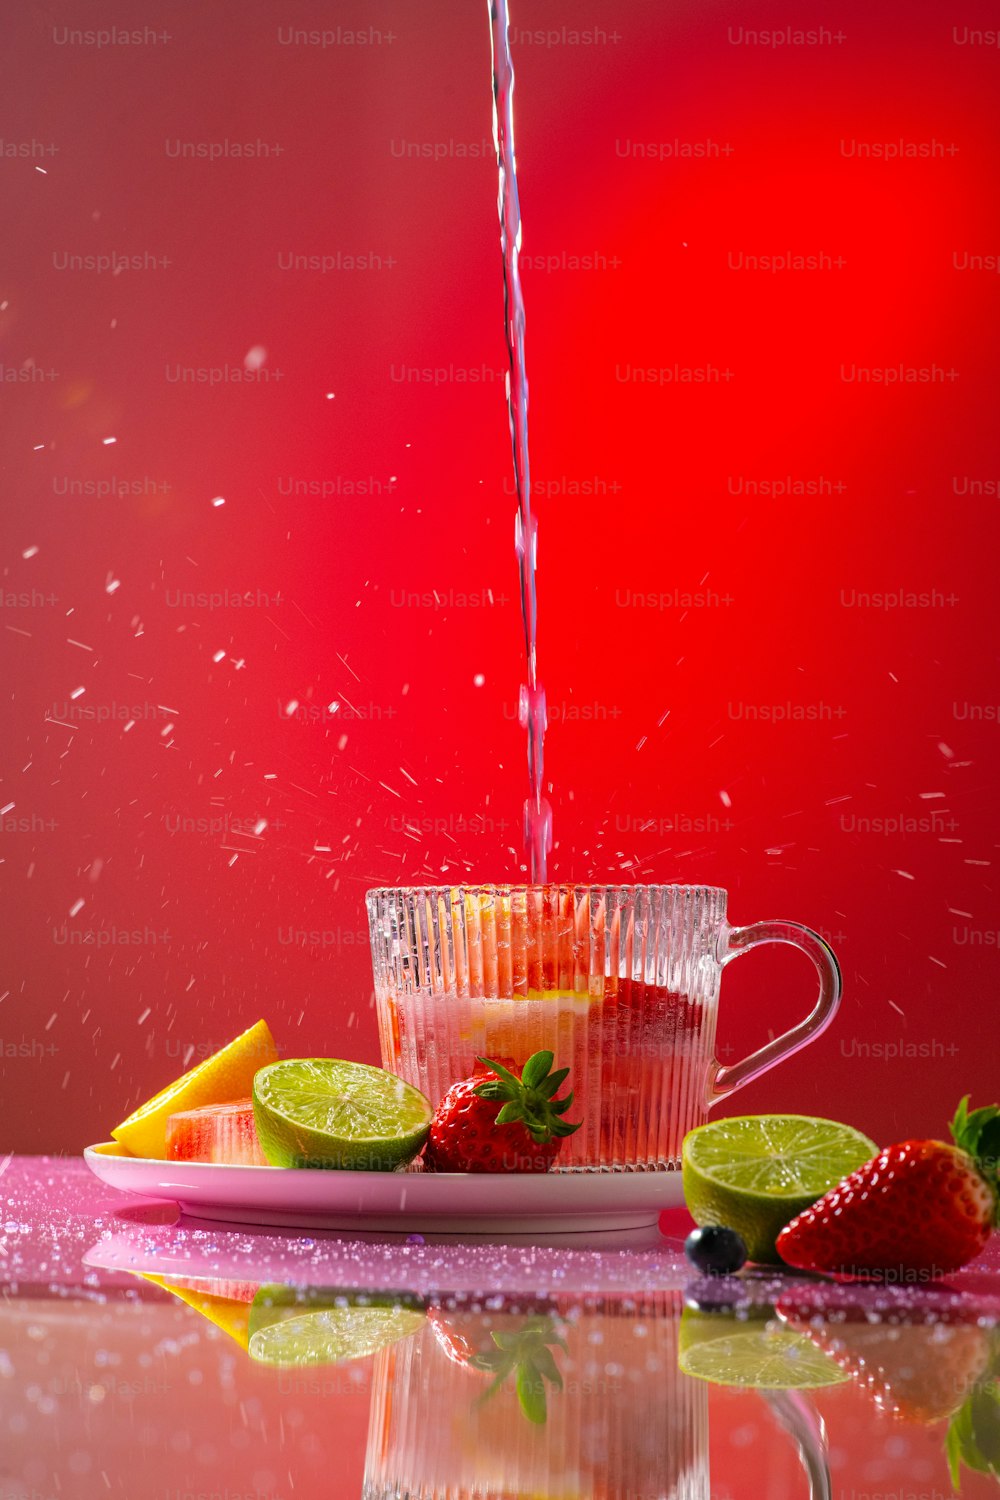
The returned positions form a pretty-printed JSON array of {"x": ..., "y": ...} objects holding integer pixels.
[{"x": 143, "y": 824}]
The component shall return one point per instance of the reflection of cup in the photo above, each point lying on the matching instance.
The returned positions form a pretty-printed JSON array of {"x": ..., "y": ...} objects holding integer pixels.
[
  {"x": 621, "y": 983},
  {"x": 625, "y": 1422}
]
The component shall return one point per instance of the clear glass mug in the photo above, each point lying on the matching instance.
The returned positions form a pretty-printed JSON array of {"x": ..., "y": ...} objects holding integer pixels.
[{"x": 621, "y": 983}]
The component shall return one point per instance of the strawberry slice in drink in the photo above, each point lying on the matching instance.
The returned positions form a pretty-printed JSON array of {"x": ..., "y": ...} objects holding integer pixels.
[{"x": 221, "y": 1133}]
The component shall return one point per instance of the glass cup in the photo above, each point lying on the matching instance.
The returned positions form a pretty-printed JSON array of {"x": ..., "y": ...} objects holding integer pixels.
[{"x": 621, "y": 983}]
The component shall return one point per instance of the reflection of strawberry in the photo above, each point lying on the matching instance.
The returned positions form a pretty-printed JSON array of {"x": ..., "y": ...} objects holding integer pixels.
[
  {"x": 917, "y": 1210},
  {"x": 501, "y": 1345},
  {"x": 461, "y": 1335},
  {"x": 502, "y": 1123},
  {"x": 465, "y": 1333},
  {"x": 527, "y": 1355},
  {"x": 920, "y": 1372}
]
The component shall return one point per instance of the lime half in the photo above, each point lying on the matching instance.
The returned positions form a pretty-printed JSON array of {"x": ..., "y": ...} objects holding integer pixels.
[
  {"x": 767, "y": 1359},
  {"x": 320, "y": 1112},
  {"x": 289, "y": 1332},
  {"x": 754, "y": 1173}
]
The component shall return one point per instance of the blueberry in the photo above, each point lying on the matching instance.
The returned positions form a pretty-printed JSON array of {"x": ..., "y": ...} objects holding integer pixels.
[{"x": 715, "y": 1251}]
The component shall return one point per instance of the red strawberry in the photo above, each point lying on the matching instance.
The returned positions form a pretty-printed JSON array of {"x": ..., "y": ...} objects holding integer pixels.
[
  {"x": 917, "y": 1210},
  {"x": 470, "y": 1134}
]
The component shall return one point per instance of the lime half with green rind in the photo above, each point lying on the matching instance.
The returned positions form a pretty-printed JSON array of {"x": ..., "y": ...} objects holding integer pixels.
[
  {"x": 754, "y": 1173},
  {"x": 323, "y": 1112}
]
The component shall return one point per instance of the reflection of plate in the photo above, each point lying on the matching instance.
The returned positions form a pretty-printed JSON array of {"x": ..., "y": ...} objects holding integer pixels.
[
  {"x": 545, "y": 1203},
  {"x": 428, "y": 1265}
]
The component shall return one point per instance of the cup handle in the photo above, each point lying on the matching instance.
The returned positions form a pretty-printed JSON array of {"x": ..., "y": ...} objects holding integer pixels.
[{"x": 736, "y": 940}]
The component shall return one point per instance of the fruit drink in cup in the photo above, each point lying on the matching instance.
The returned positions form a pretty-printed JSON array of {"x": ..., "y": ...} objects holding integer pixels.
[{"x": 620, "y": 983}]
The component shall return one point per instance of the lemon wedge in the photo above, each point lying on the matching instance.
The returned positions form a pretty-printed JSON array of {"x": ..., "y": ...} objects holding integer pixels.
[{"x": 225, "y": 1076}]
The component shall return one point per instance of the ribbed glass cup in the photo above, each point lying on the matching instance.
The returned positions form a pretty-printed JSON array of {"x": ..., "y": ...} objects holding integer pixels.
[
  {"x": 621, "y": 1423},
  {"x": 621, "y": 983}
]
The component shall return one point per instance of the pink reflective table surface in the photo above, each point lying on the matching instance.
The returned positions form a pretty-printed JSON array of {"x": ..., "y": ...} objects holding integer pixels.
[{"x": 145, "y": 1355}]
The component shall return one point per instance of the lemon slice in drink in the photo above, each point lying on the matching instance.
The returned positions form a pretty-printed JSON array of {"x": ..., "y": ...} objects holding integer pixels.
[
  {"x": 754, "y": 1173},
  {"x": 220, "y": 1079},
  {"x": 321, "y": 1112},
  {"x": 766, "y": 1358},
  {"x": 292, "y": 1330}
]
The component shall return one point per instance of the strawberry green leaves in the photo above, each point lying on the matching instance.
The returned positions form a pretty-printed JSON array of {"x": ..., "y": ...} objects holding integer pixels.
[
  {"x": 531, "y": 1099},
  {"x": 977, "y": 1133}
]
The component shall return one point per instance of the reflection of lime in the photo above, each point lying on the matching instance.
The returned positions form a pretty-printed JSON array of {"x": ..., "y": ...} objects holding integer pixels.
[
  {"x": 319, "y": 1112},
  {"x": 726, "y": 1351},
  {"x": 698, "y": 1327},
  {"x": 322, "y": 1328},
  {"x": 756, "y": 1172}
]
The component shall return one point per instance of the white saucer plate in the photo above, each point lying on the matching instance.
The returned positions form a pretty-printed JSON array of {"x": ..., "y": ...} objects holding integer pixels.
[{"x": 436, "y": 1202}]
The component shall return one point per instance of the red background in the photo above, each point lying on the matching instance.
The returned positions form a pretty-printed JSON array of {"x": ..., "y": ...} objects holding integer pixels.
[{"x": 100, "y": 811}]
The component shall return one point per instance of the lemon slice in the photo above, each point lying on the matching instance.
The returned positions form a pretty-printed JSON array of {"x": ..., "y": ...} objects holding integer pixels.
[{"x": 220, "y": 1079}]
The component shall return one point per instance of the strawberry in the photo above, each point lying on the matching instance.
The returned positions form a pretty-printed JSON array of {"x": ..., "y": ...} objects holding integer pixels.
[
  {"x": 469, "y": 1134},
  {"x": 917, "y": 1210}
]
